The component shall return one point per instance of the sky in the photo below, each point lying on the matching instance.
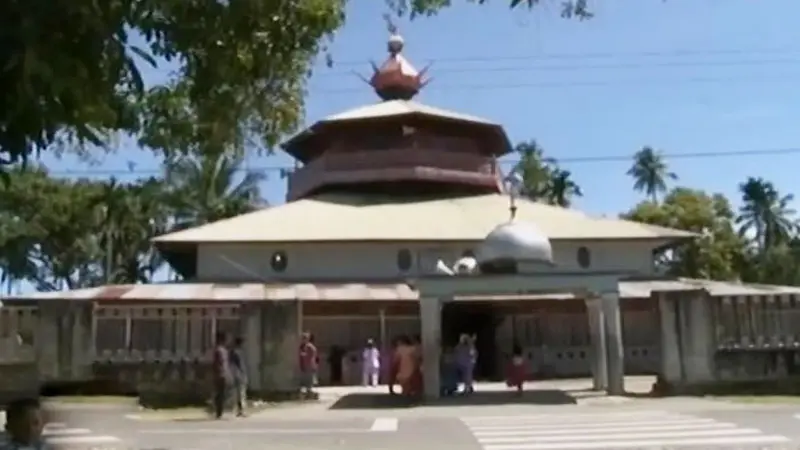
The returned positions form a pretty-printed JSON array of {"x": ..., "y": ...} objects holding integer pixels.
[{"x": 682, "y": 76}]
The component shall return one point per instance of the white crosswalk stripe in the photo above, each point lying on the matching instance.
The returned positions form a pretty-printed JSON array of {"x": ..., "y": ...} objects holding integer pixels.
[
  {"x": 59, "y": 435},
  {"x": 617, "y": 430}
]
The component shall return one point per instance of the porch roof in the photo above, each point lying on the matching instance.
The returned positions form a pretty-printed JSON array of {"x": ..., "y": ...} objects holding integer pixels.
[{"x": 238, "y": 292}]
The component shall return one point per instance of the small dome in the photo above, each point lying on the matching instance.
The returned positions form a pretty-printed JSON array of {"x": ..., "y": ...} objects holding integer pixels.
[{"x": 515, "y": 242}]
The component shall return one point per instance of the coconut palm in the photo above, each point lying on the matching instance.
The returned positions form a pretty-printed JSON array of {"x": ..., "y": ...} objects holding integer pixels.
[
  {"x": 765, "y": 213},
  {"x": 211, "y": 187},
  {"x": 562, "y": 188},
  {"x": 650, "y": 173},
  {"x": 533, "y": 170}
]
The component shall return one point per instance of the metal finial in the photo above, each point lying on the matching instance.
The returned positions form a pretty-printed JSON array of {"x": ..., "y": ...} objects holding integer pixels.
[
  {"x": 513, "y": 185},
  {"x": 390, "y": 25}
]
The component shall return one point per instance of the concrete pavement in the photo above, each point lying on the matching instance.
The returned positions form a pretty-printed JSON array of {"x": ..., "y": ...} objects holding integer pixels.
[{"x": 551, "y": 416}]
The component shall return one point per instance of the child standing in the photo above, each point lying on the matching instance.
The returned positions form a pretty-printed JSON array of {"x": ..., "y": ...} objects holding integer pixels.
[{"x": 516, "y": 368}]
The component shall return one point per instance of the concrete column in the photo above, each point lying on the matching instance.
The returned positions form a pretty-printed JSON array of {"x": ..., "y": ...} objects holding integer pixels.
[
  {"x": 430, "y": 311},
  {"x": 281, "y": 341},
  {"x": 598, "y": 344},
  {"x": 250, "y": 317},
  {"x": 671, "y": 367},
  {"x": 698, "y": 339},
  {"x": 615, "y": 350}
]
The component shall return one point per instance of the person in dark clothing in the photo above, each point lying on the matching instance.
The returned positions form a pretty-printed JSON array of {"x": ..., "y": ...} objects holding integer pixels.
[
  {"x": 222, "y": 373},
  {"x": 24, "y": 425},
  {"x": 239, "y": 370},
  {"x": 335, "y": 363}
]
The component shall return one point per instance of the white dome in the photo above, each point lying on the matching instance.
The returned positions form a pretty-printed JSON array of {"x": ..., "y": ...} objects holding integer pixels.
[{"x": 518, "y": 242}]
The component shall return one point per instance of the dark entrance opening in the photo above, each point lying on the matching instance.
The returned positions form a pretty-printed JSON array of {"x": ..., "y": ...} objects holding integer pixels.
[{"x": 477, "y": 319}]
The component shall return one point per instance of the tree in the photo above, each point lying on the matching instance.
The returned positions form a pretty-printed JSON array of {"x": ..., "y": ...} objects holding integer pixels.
[
  {"x": 243, "y": 66},
  {"x": 129, "y": 216},
  {"x": 716, "y": 253},
  {"x": 766, "y": 213},
  {"x": 650, "y": 173},
  {"x": 205, "y": 189},
  {"x": 541, "y": 178},
  {"x": 562, "y": 188}
]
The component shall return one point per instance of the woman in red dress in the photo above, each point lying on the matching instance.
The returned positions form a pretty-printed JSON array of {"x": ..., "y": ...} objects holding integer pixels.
[{"x": 516, "y": 369}]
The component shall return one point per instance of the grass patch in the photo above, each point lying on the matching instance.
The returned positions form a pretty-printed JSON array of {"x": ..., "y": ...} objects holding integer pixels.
[{"x": 92, "y": 399}]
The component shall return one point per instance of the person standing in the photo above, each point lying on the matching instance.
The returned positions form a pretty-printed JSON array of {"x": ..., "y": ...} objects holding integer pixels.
[
  {"x": 239, "y": 369},
  {"x": 222, "y": 373},
  {"x": 309, "y": 362},
  {"x": 24, "y": 425},
  {"x": 370, "y": 364},
  {"x": 466, "y": 357}
]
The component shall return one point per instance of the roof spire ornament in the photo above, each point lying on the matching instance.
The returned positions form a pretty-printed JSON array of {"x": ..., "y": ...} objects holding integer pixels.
[
  {"x": 396, "y": 78},
  {"x": 513, "y": 185}
]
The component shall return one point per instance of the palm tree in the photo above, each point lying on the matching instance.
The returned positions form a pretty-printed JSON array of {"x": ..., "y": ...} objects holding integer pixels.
[
  {"x": 533, "y": 169},
  {"x": 562, "y": 189},
  {"x": 211, "y": 187},
  {"x": 650, "y": 173},
  {"x": 766, "y": 213}
]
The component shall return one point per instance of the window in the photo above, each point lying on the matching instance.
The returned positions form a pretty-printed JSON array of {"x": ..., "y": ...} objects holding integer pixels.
[
  {"x": 404, "y": 260},
  {"x": 279, "y": 261},
  {"x": 584, "y": 258}
]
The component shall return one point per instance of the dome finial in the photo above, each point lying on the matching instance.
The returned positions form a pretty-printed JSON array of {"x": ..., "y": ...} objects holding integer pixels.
[
  {"x": 396, "y": 42},
  {"x": 396, "y": 78}
]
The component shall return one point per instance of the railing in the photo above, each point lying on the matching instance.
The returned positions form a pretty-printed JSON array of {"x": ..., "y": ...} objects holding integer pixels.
[
  {"x": 378, "y": 159},
  {"x": 146, "y": 333}
]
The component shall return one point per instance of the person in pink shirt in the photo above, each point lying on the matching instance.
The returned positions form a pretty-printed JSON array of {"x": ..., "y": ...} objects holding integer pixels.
[{"x": 309, "y": 363}]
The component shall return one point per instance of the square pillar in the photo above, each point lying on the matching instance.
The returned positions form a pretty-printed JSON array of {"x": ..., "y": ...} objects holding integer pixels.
[
  {"x": 615, "y": 350},
  {"x": 251, "y": 321},
  {"x": 430, "y": 312},
  {"x": 597, "y": 337}
]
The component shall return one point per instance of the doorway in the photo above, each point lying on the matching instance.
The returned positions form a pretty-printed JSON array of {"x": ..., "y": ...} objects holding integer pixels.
[{"x": 478, "y": 319}]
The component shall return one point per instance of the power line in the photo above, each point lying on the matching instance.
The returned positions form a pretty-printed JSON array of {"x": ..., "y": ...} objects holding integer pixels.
[
  {"x": 505, "y": 163},
  {"x": 535, "y": 68},
  {"x": 580, "y": 84},
  {"x": 584, "y": 55}
]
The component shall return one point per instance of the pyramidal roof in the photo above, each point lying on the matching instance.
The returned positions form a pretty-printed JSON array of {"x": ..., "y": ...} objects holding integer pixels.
[
  {"x": 354, "y": 217},
  {"x": 395, "y": 108}
]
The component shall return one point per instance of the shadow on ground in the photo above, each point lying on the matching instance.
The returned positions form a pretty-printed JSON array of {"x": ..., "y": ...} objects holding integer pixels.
[{"x": 493, "y": 398}]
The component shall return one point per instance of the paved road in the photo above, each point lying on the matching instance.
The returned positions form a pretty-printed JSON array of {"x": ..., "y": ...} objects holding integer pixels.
[{"x": 467, "y": 427}]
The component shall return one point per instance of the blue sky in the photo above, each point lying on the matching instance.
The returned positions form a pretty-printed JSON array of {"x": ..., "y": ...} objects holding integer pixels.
[{"x": 684, "y": 76}]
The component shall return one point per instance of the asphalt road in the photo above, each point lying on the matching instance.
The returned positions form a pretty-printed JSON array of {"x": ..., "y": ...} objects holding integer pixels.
[{"x": 464, "y": 427}]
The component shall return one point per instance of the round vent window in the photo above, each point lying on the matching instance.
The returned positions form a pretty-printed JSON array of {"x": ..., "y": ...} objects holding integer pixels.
[
  {"x": 404, "y": 260},
  {"x": 584, "y": 257},
  {"x": 279, "y": 261}
]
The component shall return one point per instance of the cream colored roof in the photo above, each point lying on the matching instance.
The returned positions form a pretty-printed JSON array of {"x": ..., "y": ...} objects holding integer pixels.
[
  {"x": 339, "y": 217},
  {"x": 401, "y": 108}
]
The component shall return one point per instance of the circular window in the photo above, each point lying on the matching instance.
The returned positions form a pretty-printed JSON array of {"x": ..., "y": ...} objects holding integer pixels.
[
  {"x": 584, "y": 257},
  {"x": 404, "y": 259},
  {"x": 279, "y": 261}
]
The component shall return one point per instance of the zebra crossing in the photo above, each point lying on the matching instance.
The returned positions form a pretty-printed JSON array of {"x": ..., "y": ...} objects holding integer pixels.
[
  {"x": 58, "y": 435},
  {"x": 611, "y": 430}
]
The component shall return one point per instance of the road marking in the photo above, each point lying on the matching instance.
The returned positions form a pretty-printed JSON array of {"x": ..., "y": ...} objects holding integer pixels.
[
  {"x": 257, "y": 431},
  {"x": 65, "y": 431},
  {"x": 385, "y": 424},
  {"x": 631, "y": 429},
  {"x": 83, "y": 440}
]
